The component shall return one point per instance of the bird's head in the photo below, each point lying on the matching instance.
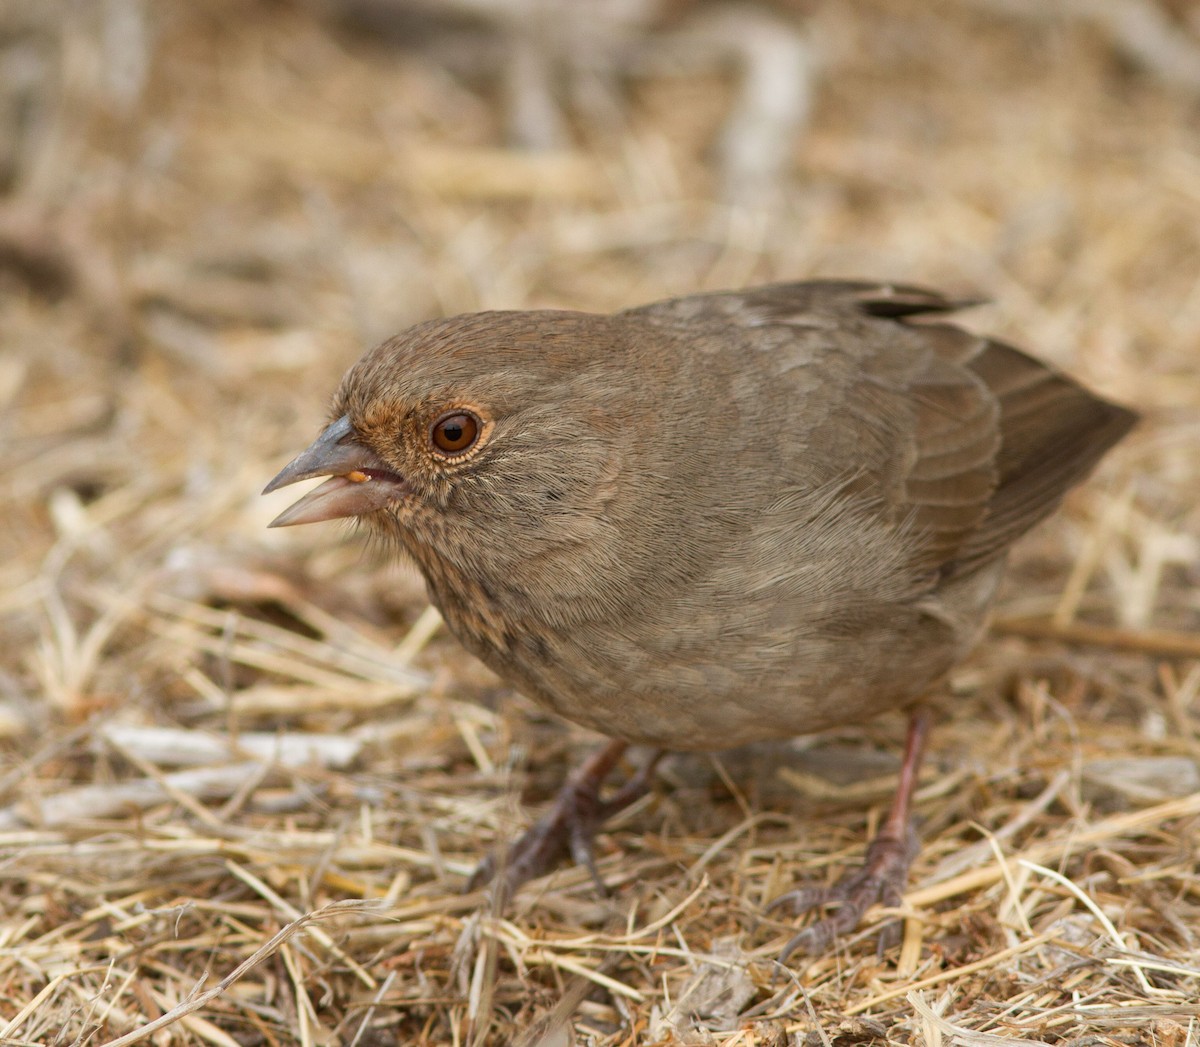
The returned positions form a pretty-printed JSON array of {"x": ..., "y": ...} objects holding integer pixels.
[{"x": 463, "y": 437}]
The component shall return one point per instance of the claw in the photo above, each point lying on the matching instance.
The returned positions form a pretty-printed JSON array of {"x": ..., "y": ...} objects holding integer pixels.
[
  {"x": 881, "y": 880},
  {"x": 568, "y": 828}
]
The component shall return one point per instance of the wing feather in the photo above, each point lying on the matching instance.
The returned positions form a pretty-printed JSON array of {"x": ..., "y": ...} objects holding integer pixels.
[{"x": 966, "y": 440}]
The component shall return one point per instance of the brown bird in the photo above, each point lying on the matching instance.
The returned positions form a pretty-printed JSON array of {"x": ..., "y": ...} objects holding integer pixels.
[{"x": 711, "y": 520}]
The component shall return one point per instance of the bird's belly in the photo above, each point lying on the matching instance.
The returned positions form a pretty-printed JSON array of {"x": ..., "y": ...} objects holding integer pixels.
[
  {"x": 724, "y": 698},
  {"x": 703, "y": 680}
]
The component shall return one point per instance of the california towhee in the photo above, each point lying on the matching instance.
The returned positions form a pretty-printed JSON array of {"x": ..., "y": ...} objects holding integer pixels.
[{"x": 710, "y": 520}]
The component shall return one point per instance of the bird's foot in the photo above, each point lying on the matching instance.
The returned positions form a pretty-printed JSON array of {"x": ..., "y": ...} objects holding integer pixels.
[
  {"x": 568, "y": 828},
  {"x": 885, "y": 868},
  {"x": 882, "y": 879}
]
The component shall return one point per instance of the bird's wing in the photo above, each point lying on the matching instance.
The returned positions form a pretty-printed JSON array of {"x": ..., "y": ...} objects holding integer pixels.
[
  {"x": 966, "y": 441},
  {"x": 1052, "y": 433}
]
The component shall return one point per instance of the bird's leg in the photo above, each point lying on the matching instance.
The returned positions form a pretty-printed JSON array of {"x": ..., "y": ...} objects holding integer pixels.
[
  {"x": 885, "y": 868},
  {"x": 570, "y": 824}
]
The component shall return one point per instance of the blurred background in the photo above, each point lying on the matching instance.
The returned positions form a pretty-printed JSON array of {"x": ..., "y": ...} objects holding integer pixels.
[{"x": 209, "y": 210}]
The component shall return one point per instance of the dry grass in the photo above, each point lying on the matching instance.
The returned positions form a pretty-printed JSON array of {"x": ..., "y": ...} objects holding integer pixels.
[{"x": 193, "y": 251}]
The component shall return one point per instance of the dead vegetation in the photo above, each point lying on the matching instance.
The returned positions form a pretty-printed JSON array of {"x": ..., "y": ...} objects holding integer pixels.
[{"x": 245, "y": 772}]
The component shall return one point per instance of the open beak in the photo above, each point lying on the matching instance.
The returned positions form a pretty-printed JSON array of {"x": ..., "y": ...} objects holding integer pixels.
[{"x": 359, "y": 481}]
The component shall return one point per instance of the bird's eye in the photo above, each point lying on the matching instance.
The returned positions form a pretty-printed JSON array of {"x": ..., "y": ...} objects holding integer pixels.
[{"x": 455, "y": 432}]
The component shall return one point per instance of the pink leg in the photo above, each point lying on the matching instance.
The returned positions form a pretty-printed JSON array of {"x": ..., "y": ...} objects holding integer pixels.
[
  {"x": 885, "y": 869},
  {"x": 570, "y": 824}
]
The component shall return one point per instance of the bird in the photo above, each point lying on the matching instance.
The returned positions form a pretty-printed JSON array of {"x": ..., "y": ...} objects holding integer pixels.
[{"x": 709, "y": 521}]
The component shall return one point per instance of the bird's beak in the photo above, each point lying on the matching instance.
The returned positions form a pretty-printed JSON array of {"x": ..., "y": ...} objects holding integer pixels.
[{"x": 360, "y": 482}]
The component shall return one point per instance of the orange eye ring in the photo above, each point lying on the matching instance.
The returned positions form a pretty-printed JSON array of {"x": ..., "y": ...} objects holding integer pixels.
[{"x": 455, "y": 432}]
